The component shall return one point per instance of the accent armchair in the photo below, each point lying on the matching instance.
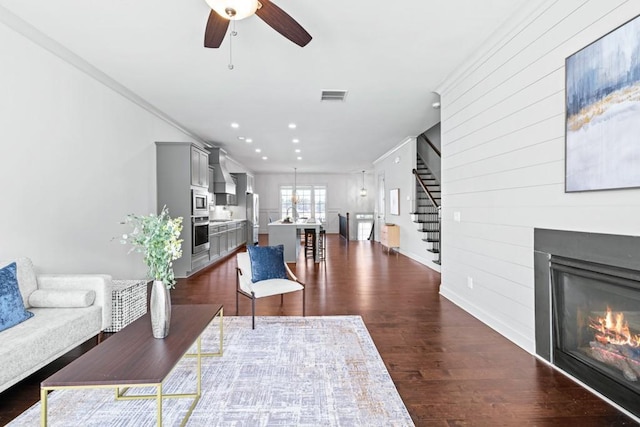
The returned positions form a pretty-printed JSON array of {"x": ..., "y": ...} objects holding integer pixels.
[{"x": 266, "y": 286}]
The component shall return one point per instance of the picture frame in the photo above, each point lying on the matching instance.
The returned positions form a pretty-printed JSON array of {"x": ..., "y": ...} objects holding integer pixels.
[
  {"x": 602, "y": 112},
  {"x": 394, "y": 201}
]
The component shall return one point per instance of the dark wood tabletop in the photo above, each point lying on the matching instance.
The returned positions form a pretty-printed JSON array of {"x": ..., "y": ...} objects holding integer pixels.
[{"x": 133, "y": 355}]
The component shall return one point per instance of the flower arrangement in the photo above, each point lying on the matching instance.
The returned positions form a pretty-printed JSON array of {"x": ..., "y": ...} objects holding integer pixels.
[{"x": 158, "y": 238}]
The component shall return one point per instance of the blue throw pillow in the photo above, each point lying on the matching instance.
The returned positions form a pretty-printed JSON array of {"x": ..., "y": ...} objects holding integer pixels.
[
  {"x": 12, "y": 309},
  {"x": 267, "y": 262}
]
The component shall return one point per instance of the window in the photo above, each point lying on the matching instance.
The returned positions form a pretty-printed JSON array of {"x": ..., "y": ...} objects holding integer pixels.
[{"x": 312, "y": 201}]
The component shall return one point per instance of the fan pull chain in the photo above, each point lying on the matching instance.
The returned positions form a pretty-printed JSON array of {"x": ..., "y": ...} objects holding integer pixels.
[{"x": 233, "y": 33}]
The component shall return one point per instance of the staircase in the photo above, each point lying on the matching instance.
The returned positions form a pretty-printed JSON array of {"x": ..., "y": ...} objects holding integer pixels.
[{"x": 427, "y": 208}]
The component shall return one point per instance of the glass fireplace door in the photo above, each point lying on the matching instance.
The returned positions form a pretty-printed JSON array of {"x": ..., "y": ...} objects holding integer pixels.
[{"x": 596, "y": 326}]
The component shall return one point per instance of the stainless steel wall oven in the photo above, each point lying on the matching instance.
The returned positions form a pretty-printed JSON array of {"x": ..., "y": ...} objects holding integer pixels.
[{"x": 200, "y": 234}]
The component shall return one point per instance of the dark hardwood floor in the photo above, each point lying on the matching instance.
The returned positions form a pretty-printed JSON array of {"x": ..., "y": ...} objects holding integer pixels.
[{"x": 449, "y": 368}]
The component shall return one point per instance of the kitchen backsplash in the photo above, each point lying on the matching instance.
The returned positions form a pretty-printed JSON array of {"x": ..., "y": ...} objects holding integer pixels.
[{"x": 225, "y": 212}]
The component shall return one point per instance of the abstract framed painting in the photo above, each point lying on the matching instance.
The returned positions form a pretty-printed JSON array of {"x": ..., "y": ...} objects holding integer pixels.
[
  {"x": 394, "y": 201},
  {"x": 602, "y": 127}
]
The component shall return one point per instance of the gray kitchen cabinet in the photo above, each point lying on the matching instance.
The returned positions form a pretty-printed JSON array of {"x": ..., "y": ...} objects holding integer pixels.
[
  {"x": 175, "y": 167},
  {"x": 233, "y": 198},
  {"x": 211, "y": 181},
  {"x": 199, "y": 167},
  {"x": 231, "y": 237},
  {"x": 250, "y": 183},
  {"x": 224, "y": 248},
  {"x": 215, "y": 250},
  {"x": 241, "y": 234}
]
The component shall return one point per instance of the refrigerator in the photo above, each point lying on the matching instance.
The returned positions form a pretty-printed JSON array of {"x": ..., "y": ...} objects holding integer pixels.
[{"x": 253, "y": 218}]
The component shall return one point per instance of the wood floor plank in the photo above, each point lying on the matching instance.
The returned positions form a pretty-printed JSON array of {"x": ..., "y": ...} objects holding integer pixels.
[{"x": 449, "y": 368}]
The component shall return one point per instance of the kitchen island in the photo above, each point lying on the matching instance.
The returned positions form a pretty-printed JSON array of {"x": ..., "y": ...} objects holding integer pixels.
[{"x": 288, "y": 234}]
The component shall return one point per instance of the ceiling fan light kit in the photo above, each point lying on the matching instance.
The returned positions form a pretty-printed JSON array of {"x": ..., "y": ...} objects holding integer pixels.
[
  {"x": 234, "y": 9},
  {"x": 225, "y": 10}
]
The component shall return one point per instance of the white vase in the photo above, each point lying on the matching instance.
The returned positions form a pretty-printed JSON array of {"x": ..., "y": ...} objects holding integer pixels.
[{"x": 160, "y": 309}]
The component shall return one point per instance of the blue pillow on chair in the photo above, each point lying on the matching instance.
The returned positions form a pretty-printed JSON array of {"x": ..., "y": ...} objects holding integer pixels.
[
  {"x": 267, "y": 262},
  {"x": 12, "y": 309}
]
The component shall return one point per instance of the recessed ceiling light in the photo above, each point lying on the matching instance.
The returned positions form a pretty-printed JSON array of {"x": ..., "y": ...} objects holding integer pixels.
[
  {"x": 297, "y": 150},
  {"x": 241, "y": 138},
  {"x": 235, "y": 125},
  {"x": 295, "y": 140},
  {"x": 258, "y": 150},
  {"x": 248, "y": 140},
  {"x": 292, "y": 126},
  {"x": 264, "y": 157},
  {"x": 299, "y": 158}
]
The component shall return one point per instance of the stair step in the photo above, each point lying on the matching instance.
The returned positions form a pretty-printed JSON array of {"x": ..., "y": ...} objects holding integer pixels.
[
  {"x": 427, "y": 207},
  {"x": 436, "y": 261}
]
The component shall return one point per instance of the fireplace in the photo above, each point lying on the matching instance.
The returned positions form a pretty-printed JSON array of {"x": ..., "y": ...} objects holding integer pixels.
[{"x": 587, "y": 291}]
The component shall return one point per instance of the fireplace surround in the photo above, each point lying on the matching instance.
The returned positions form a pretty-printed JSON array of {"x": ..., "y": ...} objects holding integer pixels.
[{"x": 587, "y": 310}]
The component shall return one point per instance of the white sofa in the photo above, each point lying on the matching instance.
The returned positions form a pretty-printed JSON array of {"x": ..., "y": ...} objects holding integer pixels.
[{"x": 70, "y": 310}]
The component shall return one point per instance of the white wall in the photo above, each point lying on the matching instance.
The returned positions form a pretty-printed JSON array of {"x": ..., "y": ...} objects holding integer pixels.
[
  {"x": 343, "y": 195},
  {"x": 76, "y": 158},
  {"x": 503, "y": 163}
]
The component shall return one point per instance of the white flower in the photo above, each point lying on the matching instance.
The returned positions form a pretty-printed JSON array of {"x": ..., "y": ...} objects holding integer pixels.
[{"x": 158, "y": 238}]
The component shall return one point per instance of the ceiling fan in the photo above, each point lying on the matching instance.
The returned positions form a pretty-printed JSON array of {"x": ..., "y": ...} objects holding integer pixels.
[{"x": 224, "y": 11}]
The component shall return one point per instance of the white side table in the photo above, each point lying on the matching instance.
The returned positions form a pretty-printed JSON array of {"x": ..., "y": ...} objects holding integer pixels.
[{"x": 128, "y": 302}]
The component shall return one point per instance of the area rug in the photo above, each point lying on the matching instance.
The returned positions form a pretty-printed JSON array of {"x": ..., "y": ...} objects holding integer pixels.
[{"x": 289, "y": 371}]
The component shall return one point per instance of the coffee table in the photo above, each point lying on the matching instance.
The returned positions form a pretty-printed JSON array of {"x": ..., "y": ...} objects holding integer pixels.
[{"x": 134, "y": 358}]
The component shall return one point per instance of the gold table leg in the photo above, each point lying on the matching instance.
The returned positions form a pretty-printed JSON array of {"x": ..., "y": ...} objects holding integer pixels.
[
  {"x": 120, "y": 390},
  {"x": 159, "y": 405},
  {"x": 43, "y": 407}
]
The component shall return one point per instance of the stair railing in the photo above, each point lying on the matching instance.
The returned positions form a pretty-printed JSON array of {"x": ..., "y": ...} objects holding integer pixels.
[
  {"x": 424, "y": 188},
  {"x": 439, "y": 235},
  {"x": 437, "y": 205},
  {"x": 433, "y": 147},
  {"x": 344, "y": 226}
]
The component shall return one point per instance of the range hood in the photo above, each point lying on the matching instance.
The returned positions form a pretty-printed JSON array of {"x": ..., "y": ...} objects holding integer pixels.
[{"x": 222, "y": 181}]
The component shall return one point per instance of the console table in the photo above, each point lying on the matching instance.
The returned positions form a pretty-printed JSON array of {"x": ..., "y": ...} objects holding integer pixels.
[
  {"x": 134, "y": 358},
  {"x": 390, "y": 236}
]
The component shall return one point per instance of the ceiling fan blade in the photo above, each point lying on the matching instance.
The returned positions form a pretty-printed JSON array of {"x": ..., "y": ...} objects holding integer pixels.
[
  {"x": 280, "y": 21},
  {"x": 216, "y": 30}
]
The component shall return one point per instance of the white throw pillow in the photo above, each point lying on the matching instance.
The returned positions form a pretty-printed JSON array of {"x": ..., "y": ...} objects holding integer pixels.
[{"x": 56, "y": 298}]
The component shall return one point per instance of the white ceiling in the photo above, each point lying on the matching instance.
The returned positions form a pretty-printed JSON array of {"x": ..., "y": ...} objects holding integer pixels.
[{"x": 390, "y": 56}]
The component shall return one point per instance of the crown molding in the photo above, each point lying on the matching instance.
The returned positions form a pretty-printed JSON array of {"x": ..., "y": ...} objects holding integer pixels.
[
  {"x": 27, "y": 30},
  {"x": 517, "y": 21},
  {"x": 404, "y": 142}
]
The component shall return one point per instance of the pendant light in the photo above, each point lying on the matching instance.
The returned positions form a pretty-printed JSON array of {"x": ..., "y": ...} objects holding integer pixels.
[
  {"x": 294, "y": 195},
  {"x": 363, "y": 191}
]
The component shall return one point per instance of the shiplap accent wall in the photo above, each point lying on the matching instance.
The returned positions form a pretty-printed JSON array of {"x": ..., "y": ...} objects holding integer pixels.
[{"x": 503, "y": 162}]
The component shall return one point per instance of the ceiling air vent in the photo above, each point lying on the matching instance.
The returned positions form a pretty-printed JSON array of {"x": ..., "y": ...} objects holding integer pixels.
[{"x": 333, "y": 95}]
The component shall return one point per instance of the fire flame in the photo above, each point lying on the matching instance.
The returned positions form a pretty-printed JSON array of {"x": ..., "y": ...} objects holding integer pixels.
[{"x": 613, "y": 329}]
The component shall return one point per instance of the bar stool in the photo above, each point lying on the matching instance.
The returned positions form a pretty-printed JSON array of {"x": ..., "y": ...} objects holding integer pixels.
[
  {"x": 310, "y": 243},
  {"x": 322, "y": 244}
]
